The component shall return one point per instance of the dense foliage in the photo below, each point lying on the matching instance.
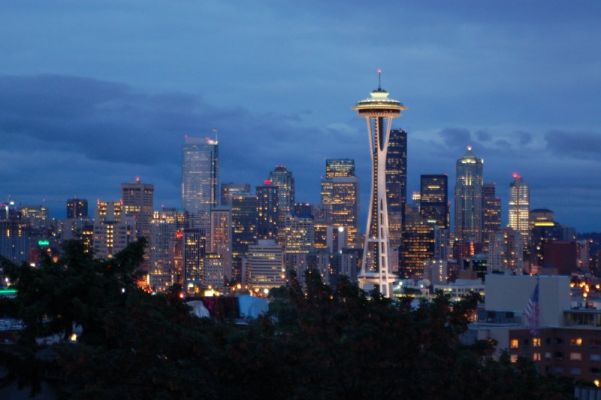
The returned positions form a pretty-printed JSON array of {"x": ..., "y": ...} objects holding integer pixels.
[{"x": 317, "y": 343}]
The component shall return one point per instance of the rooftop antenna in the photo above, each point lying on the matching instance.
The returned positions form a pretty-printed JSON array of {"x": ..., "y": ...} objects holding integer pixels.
[
  {"x": 379, "y": 79},
  {"x": 215, "y": 132}
]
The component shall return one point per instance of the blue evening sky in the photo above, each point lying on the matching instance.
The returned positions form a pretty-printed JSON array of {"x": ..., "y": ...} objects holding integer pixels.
[{"x": 93, "y": 93}]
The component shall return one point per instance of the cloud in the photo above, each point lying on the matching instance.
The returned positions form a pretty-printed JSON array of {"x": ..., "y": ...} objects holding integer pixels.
[
  {"x": 585, "y": 145},
  {"x": 455, "y": 137}
]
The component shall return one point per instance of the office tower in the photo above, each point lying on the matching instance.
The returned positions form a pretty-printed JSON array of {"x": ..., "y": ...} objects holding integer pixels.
[
  {"x": 396, "y": 190},
  {"x": 418, "y": 246},
  {"x": 265, "y": 265},
  {"x": 468, "y": 198},
  {"x": 35, "y": 216},
  {"x": 267, "y": 211},
  {"x": 221, "y": 238},
  {"x": 138, "y": 202},
  {"x": 506, "y": 252},
  {"x": 214, "y": 275},
  {"x": 229, "y": 190},
  {"x": 244, "y": 229},
  {"x": 299, "y": 234},
  {"x": 379, "y": 111},
  {"x": 340, "y": 167},
  {"x": 15, "y": 235},
  {"x": 113, "y": 230},
  {"x": 339, "y": 198},
  {"x": 303, "y": 210},
  {"x": 77, "y": 208},
  {"x": 194, "y": 250},
  {"x": 164, "y": 228},
  {"x": 543, "y": 229},
  {"x": 519, "y": 207},
  {"x": 442, "y": 243},
  {"x": 434, "y": 199},
  {"x": 200, "y": 179},
  {"x": 491, "y": 214},
  {"x": 282, "y": 178}
]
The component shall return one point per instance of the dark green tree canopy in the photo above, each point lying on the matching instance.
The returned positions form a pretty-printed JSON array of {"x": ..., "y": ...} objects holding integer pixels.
[{"x": 316, "y": 343}]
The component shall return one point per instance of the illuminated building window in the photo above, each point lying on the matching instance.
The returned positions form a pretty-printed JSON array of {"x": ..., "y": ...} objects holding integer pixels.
[
  {"x": 515, "y": 343},
  {"x": 576, "y": 341},
  {"x": 576, "y": 356},
  {"x": 536, "y": 357},
  {"x": 513, "y": 358},
  {"x": 536, "y": 342}
]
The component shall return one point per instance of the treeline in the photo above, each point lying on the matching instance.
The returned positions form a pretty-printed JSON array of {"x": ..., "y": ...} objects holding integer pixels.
[{"x": 106, "y": 339}]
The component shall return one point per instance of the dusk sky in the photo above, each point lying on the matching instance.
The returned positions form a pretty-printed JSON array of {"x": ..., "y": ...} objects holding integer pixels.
[{"x": 94, "y": 93}]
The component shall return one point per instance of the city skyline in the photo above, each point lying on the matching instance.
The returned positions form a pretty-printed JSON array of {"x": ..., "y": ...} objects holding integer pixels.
[{"x": 73, "y": 127}]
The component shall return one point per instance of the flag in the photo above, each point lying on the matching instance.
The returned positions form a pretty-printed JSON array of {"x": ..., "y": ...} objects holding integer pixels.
[{"x": 532, "y": 310}]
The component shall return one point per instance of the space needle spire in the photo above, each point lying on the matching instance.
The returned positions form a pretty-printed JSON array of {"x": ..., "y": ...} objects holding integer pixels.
[{"x": 379, "y": 111}]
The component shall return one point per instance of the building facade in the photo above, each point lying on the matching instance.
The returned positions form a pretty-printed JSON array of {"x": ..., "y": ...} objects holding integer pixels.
[{"x": 468, "y": 198}]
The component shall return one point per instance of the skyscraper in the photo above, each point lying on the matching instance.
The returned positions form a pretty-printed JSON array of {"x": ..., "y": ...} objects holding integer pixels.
[
  {"x": 434, "y": 199},
  {"x": 379, "y": 111},
  {"x": 113, "y": 230},
  {"x": 267, "y": 211},
  {"x": 468, "y": 198},
  {"x": 138, "y": 202},
  {"x": 339, "y": 197},
  {"x": 194, "y": 252},
  {"x": 244, "y": 229},
  {"x": 396, "y": 190},
  {"x": 491, "y": 214},
  {"x": 265, "y": 267},
  {"x": 77, "y": 208},
  {"x": 282, "y": 178},
  {"x": 519, "y": 207},
  {"x": 200, "y": 179},
  {"x": 228, "y": 190},
  {"x": 221, "y": 238},
  {"x": 340, "y": 167}
]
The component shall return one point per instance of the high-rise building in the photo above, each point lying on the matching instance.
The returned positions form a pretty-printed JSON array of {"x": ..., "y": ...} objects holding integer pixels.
[
  {"x": 506, "y": 252},
  {"x": 282, "y": 178},
  {"x": 113, "y": 230},
  {"x": 491, "y": 214},
  {"x": 77, "y": 208},
  {"x": 200, "y": 179},
  {"x": 193, "y": 260},
  {"x": 418, "y": 246},
  {"x": 396, "y": 190},
  {"x": 543, "y": 229},
  {"x": 340, "y": 167},
  {"x": 15, "y": 235},
  {"x": 519, "y": 207},
  {"x": 229, "y": 190},
  {"x": 434, "y": 199},
  {"x": 244, "y": 229},
  {"x": 221, "y": 238},
  {"x": 339, "y": 197},
  {"x": 468, "y": 198},
  {"x": 379, "y": 111},
  {"x": 164, "y": 228},
  {"x": 138, "y": 202},
  {"x": 267, "y": 211},
  {"x": 265, "y": 265}
]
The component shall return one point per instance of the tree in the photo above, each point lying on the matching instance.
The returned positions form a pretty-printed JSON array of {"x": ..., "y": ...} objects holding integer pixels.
[{"x": 316, "y": 342}]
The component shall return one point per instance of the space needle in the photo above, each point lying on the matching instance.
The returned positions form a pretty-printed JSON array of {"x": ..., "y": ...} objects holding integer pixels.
[{"x": 378, "y": 111}]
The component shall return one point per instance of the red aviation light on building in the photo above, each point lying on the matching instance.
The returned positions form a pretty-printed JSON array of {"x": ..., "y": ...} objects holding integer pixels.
[
  {"x": 516, "y": 175},
  {"x": 179, "y": 234},
  {"x": 267, "y": 182}
]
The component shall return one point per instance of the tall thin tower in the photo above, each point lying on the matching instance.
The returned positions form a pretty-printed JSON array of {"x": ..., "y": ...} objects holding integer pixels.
[{"x": 378, "y": 111}]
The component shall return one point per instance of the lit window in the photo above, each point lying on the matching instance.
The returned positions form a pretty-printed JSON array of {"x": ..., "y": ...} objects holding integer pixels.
[
  {"x": 513, "y": 358},
  {"x": 536, "y": 342},
  {"x": 576, "y": 356},
  {"x": 536, "y": 357},
  {"x": 515, "y": 343},
  {"x": 576, "y": 341}
]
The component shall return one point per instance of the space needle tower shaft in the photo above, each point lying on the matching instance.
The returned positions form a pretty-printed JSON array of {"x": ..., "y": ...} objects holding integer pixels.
[{"x": 379, "y": 111}]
